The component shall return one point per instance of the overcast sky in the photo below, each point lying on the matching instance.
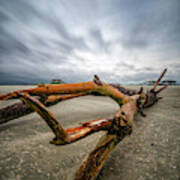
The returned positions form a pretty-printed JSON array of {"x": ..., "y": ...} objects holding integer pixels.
[{"x": 124, "y": 41}]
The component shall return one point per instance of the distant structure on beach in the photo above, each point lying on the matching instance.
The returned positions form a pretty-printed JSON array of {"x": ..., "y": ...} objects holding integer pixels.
[
  {"x": 165, "y": 82},
  {"x": 57, "y": 81}
]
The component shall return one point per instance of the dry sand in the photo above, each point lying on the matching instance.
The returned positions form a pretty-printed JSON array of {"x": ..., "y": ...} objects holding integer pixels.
[{"x": 151, "y": 152}]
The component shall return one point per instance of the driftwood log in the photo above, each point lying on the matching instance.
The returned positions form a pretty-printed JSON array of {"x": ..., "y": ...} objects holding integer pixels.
[
  {"x": 116, "y": 126},
  {"x": 20, "y": 109}
]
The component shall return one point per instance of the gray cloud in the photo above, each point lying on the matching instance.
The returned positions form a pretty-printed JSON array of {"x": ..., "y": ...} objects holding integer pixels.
[{"x": 122, "y": 41}]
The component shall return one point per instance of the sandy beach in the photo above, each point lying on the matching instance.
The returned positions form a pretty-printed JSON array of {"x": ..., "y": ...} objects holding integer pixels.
[{"x": 152, "y": 152}]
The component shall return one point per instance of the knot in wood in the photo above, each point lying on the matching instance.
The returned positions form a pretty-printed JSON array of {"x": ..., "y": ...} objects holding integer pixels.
[{"x": 120, "y": 127}]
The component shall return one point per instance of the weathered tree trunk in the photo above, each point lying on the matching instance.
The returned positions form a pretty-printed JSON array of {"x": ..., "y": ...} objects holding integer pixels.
[
  {"x": 117, "y": 126},
  {"x": 14, "y": 111}
]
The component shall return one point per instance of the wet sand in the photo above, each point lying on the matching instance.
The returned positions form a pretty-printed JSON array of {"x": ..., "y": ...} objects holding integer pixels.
[{"x": 151, "y": 152}]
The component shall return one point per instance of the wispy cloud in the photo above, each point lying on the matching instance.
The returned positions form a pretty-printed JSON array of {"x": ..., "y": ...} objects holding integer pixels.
[{"x": 122, "y": 41}]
